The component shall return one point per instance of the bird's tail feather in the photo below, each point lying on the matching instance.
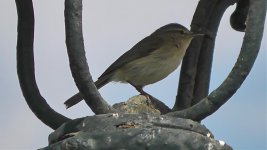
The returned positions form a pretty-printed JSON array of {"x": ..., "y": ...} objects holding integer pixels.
[
  {"x": 73, "y": 100},
  {"x": 79, "y": 97}
]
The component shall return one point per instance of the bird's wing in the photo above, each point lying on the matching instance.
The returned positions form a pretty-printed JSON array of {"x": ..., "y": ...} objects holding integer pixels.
[{"x": 141, "y": 49}]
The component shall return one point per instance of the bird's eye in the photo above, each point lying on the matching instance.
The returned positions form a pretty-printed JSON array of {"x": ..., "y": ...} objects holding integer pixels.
[{"x": 182, "y": 31}]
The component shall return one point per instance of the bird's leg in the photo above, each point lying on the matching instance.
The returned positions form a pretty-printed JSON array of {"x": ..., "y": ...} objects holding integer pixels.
[
  {"x": 140, "y": 90},
  {"x": 157, "y": 104}
]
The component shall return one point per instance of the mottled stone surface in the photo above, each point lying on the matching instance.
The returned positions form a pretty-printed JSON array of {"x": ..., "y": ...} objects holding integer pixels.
[
  {"x": 133, "y": 131},
  {"x": 137, "y": 104}
]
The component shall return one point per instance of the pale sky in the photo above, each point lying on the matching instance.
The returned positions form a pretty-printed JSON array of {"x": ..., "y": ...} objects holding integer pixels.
[{"x": 111, "y": 28}]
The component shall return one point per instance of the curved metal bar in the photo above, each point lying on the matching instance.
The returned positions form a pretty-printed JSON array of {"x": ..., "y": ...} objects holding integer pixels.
[
  {"x": 25, "y": 68},
  {"x": 248, "y": 54},
  {"x": 78, "y": 63},
  {"x": 196, "y": 66},
  {"x": 239, "y": 16}
]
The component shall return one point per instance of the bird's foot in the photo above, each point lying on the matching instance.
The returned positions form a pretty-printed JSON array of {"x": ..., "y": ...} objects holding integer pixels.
[{"x": 148, "y": 96}]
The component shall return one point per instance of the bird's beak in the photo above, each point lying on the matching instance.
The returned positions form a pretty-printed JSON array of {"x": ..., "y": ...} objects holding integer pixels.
[
  {"x": 197, "y": 34},
  {"x": 192, "y": 34}
]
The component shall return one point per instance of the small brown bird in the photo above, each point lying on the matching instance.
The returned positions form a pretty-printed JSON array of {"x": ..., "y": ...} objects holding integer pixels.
[{"x": 149, "y": 61}]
